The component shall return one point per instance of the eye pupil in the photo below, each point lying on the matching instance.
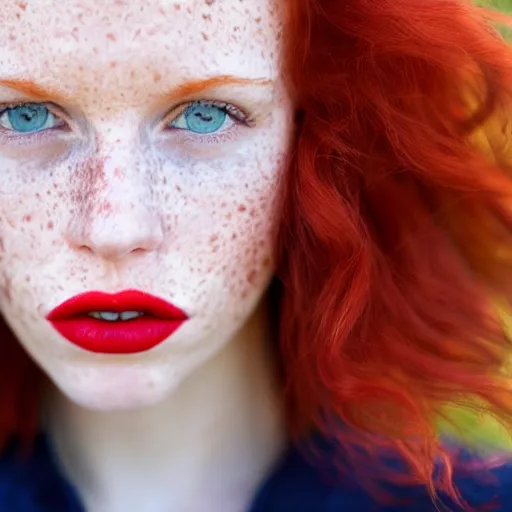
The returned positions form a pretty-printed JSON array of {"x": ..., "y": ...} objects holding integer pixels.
[
  {"x": 28, "y": 118},
  {"x": 203, "y": 118}
]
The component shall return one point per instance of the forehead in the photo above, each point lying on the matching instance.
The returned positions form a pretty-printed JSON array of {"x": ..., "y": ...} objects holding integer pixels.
[{"x": 128, "y": 43}]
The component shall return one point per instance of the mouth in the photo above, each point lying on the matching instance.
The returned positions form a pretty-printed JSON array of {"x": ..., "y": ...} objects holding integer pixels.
[{"x": 124, "y": 323}]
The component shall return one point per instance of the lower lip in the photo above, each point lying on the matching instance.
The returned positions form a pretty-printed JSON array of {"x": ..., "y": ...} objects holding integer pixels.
[{"x": 129, "y": 337}]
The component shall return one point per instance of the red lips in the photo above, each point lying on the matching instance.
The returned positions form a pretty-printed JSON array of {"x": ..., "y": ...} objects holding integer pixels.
[{"x": 124, "y": 323}]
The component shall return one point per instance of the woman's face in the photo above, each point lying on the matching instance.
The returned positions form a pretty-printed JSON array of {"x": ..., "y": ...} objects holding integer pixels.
[{"x": 140, "y": 148}]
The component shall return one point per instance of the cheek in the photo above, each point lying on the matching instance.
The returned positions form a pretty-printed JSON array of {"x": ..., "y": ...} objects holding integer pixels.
[
  {"x": 250, "y": 245},
  {"x": 243, "y": 224},
  {"x": 27, "y": 222},
  {"x": 28, "y": 236}
]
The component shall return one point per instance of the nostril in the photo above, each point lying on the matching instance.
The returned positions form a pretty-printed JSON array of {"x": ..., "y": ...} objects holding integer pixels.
[
  {"x": 138, "y": 251},
  {"x": 85, "y": 248}
]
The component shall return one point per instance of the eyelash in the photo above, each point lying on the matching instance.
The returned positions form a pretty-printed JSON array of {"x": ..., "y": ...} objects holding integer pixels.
[{"x": 236, "y": 114}]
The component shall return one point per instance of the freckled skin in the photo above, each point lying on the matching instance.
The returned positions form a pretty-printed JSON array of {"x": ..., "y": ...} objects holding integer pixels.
[{"x": 114, "y": 201}]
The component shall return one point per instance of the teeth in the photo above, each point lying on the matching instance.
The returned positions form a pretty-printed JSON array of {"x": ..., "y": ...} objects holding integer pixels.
[
  {"x": 113, "y": 316},
  {"x": 109, "y": 316},
  {"x": 130, "y": 315}
]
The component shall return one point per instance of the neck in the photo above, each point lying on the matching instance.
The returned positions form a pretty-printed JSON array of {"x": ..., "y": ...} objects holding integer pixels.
[{"x": 207, "y": 447}]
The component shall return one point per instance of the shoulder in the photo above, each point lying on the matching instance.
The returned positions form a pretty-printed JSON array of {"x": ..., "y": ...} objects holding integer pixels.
[
  {"x": 33, "y": 484},
  {"x": 296, "y": 485}
]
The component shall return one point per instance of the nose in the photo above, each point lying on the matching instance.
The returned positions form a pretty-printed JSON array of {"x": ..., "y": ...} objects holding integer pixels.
[
  {"x": 127, "y": 229},
  {"x": 115, "y": 216}
]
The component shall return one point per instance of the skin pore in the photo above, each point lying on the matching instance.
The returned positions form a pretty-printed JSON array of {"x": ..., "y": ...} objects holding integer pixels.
[{"x": 117, "y": 189}]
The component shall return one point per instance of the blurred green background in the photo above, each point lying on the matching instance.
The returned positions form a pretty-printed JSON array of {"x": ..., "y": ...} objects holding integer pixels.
[{"x": 502, "y": 5}]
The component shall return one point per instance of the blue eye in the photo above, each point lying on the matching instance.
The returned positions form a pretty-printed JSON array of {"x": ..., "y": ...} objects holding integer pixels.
[
  {"x": 201, "y": 117},
  {"x": 27, "y": 118}
]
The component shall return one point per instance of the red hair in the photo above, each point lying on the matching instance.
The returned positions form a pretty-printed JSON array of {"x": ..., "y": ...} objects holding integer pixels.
[{"x": 396, "y": 231}]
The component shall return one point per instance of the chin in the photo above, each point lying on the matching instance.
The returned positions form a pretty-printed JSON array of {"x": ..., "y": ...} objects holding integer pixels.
[{"x": 111, "y": 387}]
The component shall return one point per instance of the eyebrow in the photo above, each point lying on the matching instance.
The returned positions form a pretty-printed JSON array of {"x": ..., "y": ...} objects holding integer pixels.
[
  {"x": 197, "y": 86},
  {"x": 31, "y": 88},
  {"x": 188, "y": 88}
]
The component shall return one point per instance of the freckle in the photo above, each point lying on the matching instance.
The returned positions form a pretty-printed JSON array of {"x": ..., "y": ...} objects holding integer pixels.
[
  {"x": 113, "y": 64},
  {"x": 205, "y": 36},
  {"x": 157, "y": 76},
  {"x": 27, "y": 218},
  {"x": 258, "y": 20},
  {"x": 50, "y": 225},
  {"x": 111, "y": 36},
  {"x": 242, "y": 208},
  {"x": 209, "y": 2},
  {"x": 177, "y": 7},
  {"x": 214, "y": 238},
  {"x": 22, "y": 5},
  {"x": 251, "y": 278},
  {"x": 207, "y": 17},
  {"x": 6, "y": 289},
  {"x": 105, "y": 207}
]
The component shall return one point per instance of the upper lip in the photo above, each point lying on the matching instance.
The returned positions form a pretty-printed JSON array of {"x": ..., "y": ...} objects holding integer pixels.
[{"x": 129, "y": 300}]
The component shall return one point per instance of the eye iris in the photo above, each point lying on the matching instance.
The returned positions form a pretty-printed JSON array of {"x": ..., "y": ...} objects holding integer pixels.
[
  {"x": 28, "y": 118},
  {"x": 204, "y": 118}
]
